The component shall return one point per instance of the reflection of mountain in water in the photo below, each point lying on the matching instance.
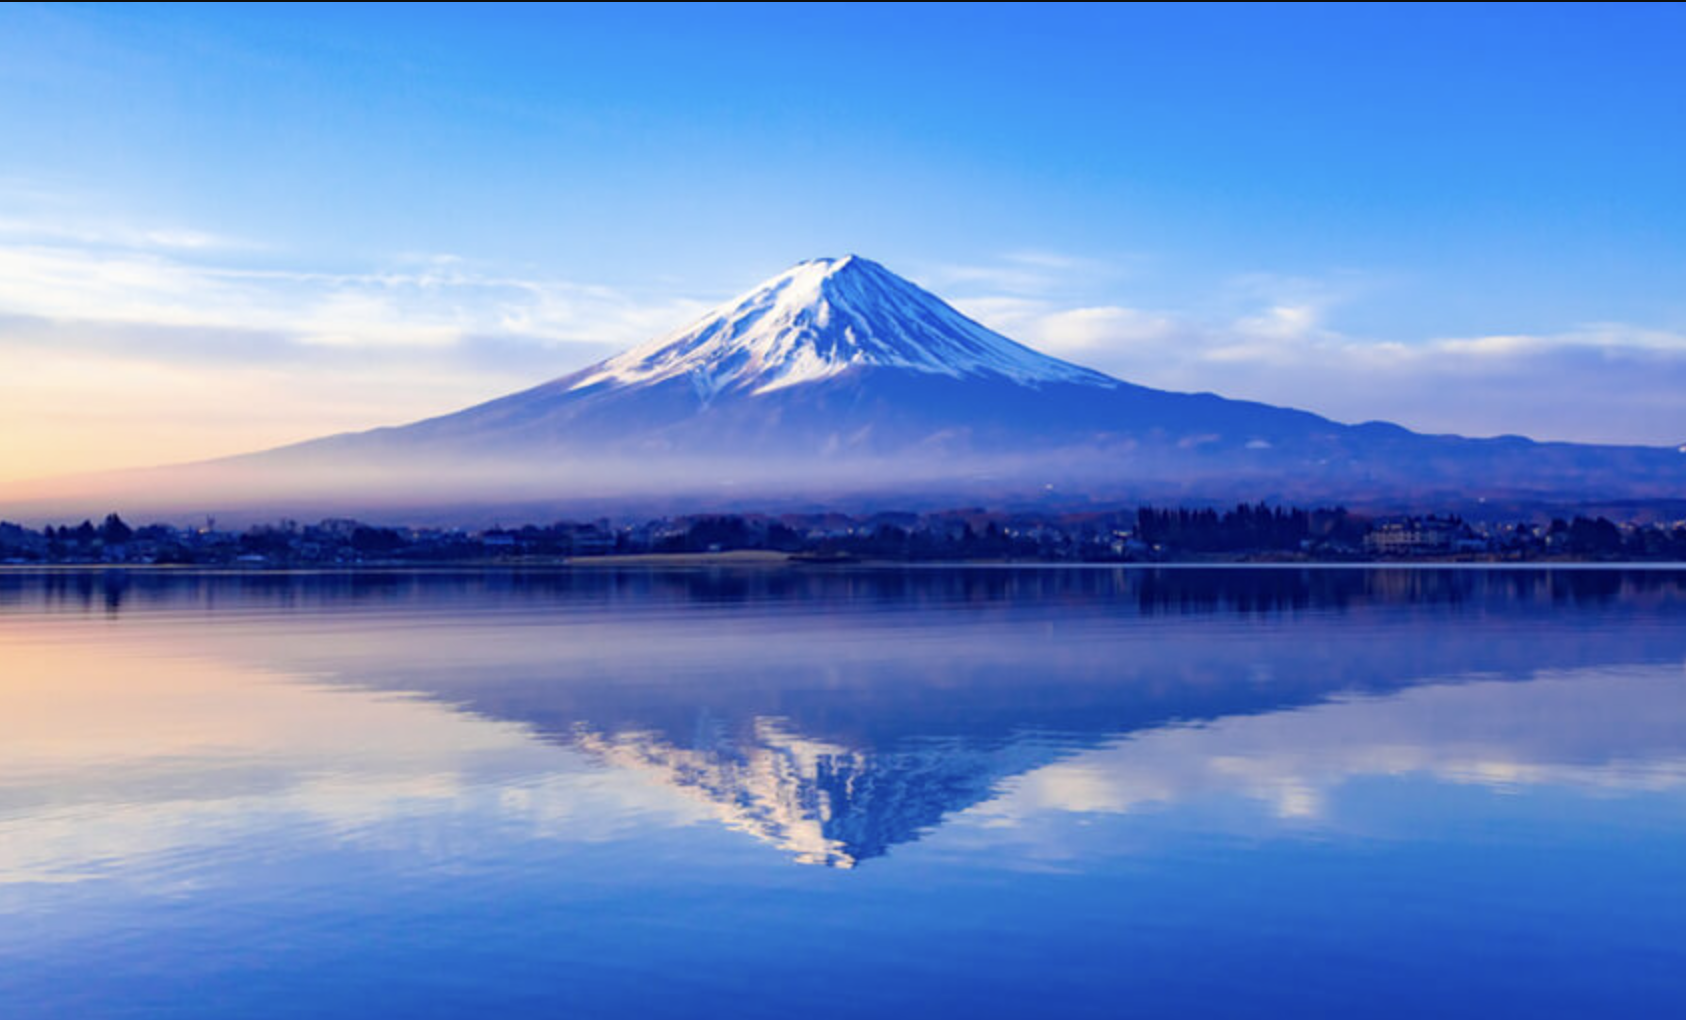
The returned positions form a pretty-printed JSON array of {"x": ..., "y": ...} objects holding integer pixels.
[
  {"x": 832, "y": 730},
  {"x": 822, "y": 803},
  {"x": 835, "y": 715}
]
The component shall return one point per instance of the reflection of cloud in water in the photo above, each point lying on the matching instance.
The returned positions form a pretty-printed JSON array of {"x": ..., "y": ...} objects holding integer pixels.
[
  {"x": 1597, "y": 731},
  {"x": 114, "y": 756}
]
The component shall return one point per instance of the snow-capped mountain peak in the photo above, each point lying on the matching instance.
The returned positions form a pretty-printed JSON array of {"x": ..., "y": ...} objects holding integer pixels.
[{"x": 822, "y": 318}]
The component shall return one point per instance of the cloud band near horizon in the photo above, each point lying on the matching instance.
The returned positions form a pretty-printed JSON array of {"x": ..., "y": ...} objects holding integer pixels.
[{"x": 123, "y": 348}]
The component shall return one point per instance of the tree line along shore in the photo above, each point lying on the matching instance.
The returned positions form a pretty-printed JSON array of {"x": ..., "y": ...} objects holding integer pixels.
[{"x": 1243, "y": 533}]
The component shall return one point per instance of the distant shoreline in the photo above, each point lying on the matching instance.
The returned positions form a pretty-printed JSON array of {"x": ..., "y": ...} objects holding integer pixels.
[
  {"x": 1257, "y": 534},
  {"x": 763, "y": 560}
]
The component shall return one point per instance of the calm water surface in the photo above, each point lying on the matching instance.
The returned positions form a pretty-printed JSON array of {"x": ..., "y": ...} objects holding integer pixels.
[{"x": 773, "y": 793}]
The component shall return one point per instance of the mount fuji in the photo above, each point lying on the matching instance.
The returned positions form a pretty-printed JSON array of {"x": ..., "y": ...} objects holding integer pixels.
[{"x": 839, "y": 381}]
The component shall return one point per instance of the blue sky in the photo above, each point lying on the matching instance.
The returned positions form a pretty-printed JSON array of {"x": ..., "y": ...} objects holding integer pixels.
[{"x": 232, "y": 226}]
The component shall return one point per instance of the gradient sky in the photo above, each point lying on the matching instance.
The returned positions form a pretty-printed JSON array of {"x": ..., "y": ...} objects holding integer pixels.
[{"x": 223, "y": 228}]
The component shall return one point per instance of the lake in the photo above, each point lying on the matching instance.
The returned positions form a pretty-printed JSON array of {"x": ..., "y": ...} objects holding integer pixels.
[{"x": 1225, "y": 792}]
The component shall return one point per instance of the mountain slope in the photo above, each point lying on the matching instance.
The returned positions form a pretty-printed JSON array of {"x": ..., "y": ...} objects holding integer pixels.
[
  {"x": 839, "y": 376},
  {"x": 839, "y": 381}
]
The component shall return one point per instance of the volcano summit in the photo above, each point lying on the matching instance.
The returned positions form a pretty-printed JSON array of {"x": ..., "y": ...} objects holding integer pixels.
[{"x": 838, "y": 382}]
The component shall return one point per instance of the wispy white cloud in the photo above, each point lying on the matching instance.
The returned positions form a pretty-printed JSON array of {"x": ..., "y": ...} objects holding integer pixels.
[
  {"x": 1028, "y": 273},
  {"x": 1107, "y": 328},
  {"x": 1595, "y": 733},
  {"x": 130, "y": 346},
  {"x": 1272, "y": 338},
  {"x": 431, "y": 302},
  {"x": 57, "y": 231}
]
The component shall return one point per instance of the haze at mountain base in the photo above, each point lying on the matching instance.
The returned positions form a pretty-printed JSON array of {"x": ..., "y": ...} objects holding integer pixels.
[{"x": 839, "y": 383}]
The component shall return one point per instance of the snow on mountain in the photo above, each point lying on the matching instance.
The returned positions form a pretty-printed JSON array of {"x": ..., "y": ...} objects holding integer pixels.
[
  {"x": 839, "y": 376},
  {"x": 839, "y": 381},
  {"x": 820, "y": 319}
]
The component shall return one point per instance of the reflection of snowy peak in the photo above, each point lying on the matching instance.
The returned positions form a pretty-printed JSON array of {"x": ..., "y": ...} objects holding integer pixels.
[
  {"x": 821, "y": 318},
  {"x": 820, "y": 802}
]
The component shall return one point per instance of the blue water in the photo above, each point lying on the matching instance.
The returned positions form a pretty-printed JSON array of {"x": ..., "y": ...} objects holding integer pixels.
[{"x": 816, "y": 792}]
